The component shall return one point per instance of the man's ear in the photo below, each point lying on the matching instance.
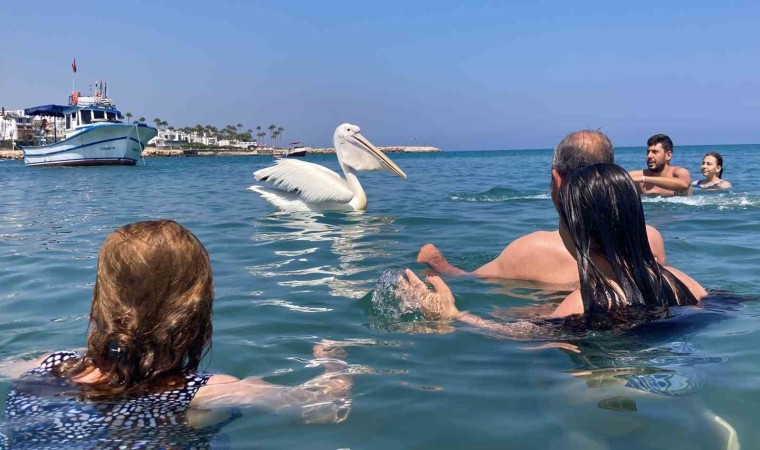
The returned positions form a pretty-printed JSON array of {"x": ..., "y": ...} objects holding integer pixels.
[
  {"x": 668, "y": 156},
  {"x": 555, "y": 185},
  {"x": 556, "y": 179}
]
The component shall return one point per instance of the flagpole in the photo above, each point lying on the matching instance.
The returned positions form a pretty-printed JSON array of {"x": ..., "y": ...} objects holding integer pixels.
[{"x": 73, "y": 78}]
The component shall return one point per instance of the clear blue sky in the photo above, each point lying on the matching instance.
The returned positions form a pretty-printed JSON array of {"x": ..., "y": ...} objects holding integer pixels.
[{"x": 488, "y": 75}]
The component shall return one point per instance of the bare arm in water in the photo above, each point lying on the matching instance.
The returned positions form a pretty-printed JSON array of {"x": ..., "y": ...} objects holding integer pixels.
[
  {"x": 539, "y": 256},
  {"x": 323, "y": 399},
  {"x": 440, "y": 304},
  {"x": 678, "y": 182}
]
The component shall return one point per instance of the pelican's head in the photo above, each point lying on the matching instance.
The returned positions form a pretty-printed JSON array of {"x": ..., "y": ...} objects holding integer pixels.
[{"x": 355, "y": 151}]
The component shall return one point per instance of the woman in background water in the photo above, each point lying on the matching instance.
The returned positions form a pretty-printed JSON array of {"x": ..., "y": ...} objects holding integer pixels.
[
  {"x": 712, "y": 170},
  {"x": 138, "y": 382}
]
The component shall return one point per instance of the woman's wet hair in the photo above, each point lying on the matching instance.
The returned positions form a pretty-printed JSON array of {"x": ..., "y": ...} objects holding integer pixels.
[
  {"x": 719, "y": 161},
  {"x": 600, "y": 207},
  {"x": 150, "y": 321}
]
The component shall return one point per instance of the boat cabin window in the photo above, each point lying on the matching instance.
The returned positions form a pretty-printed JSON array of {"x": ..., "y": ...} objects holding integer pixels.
[
  {"x": 111, "y": 117},
  {"x": 86, "y": 116},
  {"x": 68, "y": 120},
  {"x": 98, "y": 115}
]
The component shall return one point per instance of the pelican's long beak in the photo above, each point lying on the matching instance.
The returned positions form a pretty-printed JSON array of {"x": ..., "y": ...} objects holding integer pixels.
[{"x": 380, "y": 156}]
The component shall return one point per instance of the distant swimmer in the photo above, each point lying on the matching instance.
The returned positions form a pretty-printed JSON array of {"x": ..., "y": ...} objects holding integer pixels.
[
  {"x": 660, "y": 178},
  {"x": 304, "y": 186},
  {"x": 712, "y": 170}
]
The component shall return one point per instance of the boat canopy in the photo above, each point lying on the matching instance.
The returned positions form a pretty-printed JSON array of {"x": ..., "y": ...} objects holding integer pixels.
[{"x": 48, "y": 110}]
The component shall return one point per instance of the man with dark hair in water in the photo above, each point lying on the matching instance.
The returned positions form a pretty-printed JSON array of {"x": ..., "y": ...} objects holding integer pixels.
[
  {"x": 541, "y": 255},
  {"x": 660, "y": 178}
]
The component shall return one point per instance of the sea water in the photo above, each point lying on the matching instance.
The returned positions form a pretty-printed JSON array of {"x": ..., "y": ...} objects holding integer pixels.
[{"x": 285, "y": 281}]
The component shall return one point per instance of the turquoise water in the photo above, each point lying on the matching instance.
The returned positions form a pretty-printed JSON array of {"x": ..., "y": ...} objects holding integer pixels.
[{"x": 284, "y": 281}]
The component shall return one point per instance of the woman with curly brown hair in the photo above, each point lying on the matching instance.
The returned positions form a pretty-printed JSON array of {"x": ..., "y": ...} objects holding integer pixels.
[{"x": 150, "y": 327}]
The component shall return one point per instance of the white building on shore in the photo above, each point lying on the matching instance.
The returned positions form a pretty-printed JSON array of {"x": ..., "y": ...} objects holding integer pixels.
[
  {"x": 15, "y": 126},
  {"x": 171, "y": 137}
]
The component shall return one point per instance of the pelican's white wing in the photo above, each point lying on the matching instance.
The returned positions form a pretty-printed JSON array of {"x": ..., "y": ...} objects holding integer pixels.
[{"x": 313, "y": 183}]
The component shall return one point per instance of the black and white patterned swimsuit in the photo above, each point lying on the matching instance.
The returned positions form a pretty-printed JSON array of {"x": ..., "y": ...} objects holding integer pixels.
[{"x": 41, "y": 413}]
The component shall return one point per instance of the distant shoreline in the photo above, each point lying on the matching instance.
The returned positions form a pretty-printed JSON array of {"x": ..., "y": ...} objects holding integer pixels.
[
  {"x": 152, "y": 152},
  {"x": 168, "y": 152}
]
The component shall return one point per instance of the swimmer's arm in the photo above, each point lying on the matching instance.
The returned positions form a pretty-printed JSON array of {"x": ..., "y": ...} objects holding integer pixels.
[
  {"x": 696, "y": 289},
  {"x": 433, "y": 257},
  {"x": 14, "y": 367},
  {"x": 440, "y": 305},
  {"x": 725, "y": 185},
  {"x": 657, "y": 244},
  {"x": 323, "y": 399},
  {"x": 637, "y": 177},
  {"x": 572, "y": 304},
  {"x": 680, "y": 182}
]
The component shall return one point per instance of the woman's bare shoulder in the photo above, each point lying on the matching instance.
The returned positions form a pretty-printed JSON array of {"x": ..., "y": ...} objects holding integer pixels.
[
  {"x": 694, "y": 286},
  {"x": 572, "y": 304}
]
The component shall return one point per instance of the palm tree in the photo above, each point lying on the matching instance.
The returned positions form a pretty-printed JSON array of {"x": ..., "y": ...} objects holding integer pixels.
[
  {"x": 271, "y": 129},
  {"x": 129, "y": 117},
  {"x": 279, "y": 132},
  {"x": 141, "y": 120},
  {"x": 158, "y": 122}
]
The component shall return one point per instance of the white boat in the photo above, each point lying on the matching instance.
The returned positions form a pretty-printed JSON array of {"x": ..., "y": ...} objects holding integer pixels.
[
  {"x": 93, "y": 135},
  {"x": 297, "y": 149}
]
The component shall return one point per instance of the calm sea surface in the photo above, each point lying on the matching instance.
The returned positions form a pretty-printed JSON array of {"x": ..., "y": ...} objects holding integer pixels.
[{"x": 285, "y": 281}]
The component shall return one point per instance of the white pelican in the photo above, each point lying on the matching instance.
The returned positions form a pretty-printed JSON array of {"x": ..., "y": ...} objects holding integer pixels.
[{"x": 300, "y": 185}]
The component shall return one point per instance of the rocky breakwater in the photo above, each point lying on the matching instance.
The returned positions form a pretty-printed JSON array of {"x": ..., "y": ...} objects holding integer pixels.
[
  {"x": 176, "y": 152},
  {"x": 11, "y": 154}
]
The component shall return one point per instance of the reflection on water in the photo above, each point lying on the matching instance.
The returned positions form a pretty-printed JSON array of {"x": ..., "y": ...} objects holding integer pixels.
[{"x": 323, "y": 249}]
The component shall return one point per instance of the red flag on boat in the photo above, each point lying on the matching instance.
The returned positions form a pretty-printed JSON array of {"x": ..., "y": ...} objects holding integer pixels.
[{"x": 74, "y": 65}]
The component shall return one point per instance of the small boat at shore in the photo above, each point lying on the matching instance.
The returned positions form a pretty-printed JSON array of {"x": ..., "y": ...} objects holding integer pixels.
[
  {"x": 296, "y": 150},
  {"x": 93, "y": 134}
]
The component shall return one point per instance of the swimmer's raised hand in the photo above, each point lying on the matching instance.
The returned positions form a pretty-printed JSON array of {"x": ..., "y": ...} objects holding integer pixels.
[{"x": 436, "y": 305}]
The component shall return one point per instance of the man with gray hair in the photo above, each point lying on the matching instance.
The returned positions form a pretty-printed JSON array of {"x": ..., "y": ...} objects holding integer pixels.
[{"x": 541, "y": 255}]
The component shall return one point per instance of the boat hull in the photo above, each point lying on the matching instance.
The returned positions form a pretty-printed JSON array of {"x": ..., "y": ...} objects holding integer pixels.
[{"x": 97, "y": 145}]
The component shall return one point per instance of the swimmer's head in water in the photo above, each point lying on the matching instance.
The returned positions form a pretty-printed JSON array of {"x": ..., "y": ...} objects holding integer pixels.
[
  {"x": 712, "y": 163},
  {"x": 151, "y": 308},
  {"x": 659, "y": 152}
]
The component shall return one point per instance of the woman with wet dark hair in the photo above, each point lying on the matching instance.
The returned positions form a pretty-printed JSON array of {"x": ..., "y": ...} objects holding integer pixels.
[
  {"x": 602, "y": 226},
  {"x": 712, "y": 169}
]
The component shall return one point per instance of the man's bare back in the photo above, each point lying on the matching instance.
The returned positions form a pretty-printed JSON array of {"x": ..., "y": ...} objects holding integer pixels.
[{"x": 539, "y": 256}]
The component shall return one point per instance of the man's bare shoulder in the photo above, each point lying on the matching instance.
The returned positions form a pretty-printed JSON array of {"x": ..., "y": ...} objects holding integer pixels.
[
  {"x": 539, "y": 244},
  {"x": 538, "y": 240},
  {"x": 538, "y": 256}
]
